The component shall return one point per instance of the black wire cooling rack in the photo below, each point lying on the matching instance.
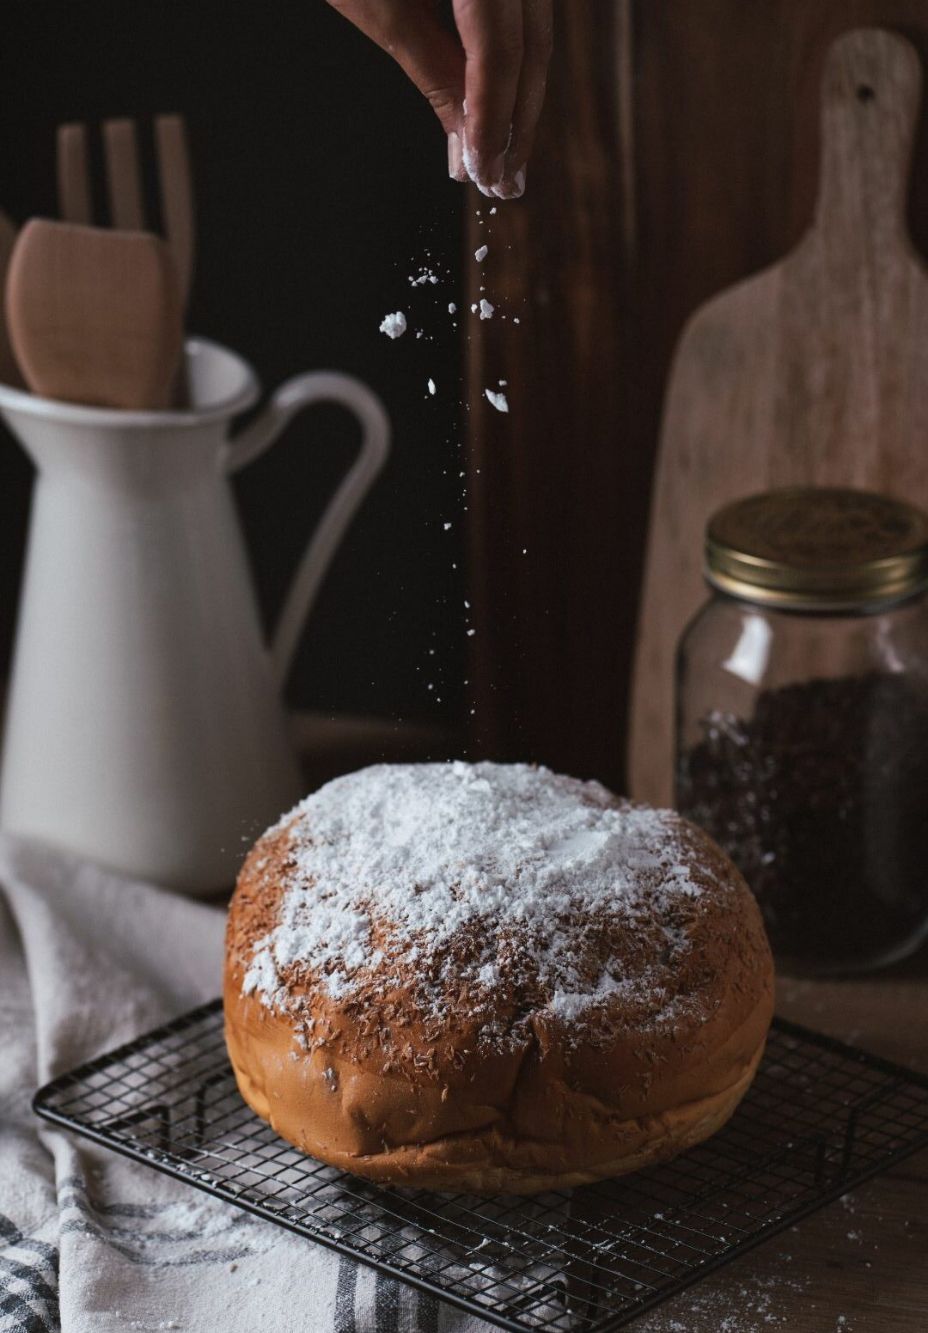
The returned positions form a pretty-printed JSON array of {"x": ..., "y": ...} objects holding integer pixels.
[{"x": 819, "y": 1118}]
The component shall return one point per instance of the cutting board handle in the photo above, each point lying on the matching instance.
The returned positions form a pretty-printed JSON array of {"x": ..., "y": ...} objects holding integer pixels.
[{"x": 871, "y": 91}]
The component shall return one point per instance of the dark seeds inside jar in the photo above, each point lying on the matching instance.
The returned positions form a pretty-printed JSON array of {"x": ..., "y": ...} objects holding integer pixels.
[{"x": 821, "y": 800}]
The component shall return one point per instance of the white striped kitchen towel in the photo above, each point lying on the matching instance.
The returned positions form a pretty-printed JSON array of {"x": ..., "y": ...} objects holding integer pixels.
[{"x": 90, "y": 1242}]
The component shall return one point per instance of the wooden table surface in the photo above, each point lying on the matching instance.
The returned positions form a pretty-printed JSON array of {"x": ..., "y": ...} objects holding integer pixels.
[{"x": 859, "y": 1265}]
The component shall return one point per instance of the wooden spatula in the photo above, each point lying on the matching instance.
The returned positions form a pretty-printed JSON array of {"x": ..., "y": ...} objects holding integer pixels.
[
  {"x": 94, "y": 316},
  {"x": 9, "y": 371},
  {"x": 813, "y": 372}
]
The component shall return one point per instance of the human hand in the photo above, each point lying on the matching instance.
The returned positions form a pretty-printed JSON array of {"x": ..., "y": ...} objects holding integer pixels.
[{"x": 495, "y": 67}]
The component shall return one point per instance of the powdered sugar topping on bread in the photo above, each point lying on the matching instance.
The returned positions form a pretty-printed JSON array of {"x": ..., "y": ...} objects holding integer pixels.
[{"x": 388, "y": 869}]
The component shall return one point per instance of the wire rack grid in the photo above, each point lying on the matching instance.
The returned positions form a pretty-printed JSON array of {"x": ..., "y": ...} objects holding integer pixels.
[{"x": 820, "y": 1117}]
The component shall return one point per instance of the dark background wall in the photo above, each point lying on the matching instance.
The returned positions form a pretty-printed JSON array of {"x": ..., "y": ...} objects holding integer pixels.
[
  {"x": 321, "y": 185},
  {"x": 678, "y": 153}
]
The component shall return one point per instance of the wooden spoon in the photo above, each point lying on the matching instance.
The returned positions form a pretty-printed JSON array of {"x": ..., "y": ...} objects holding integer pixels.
[{"x": 95, "y": 316}]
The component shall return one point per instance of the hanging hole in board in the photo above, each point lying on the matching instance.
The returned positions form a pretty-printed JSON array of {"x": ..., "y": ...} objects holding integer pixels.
[{"x": 865, "y": 93}]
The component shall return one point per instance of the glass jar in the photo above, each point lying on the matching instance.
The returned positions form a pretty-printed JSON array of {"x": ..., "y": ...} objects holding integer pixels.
[{"x": 802, "y": 720}]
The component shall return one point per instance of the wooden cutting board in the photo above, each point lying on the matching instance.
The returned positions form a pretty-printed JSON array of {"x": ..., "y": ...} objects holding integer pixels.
[{"x": 813, "y": 372}]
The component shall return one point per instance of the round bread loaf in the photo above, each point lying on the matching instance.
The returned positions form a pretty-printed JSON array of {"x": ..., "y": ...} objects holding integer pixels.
[{"x": 491, "y": 978}]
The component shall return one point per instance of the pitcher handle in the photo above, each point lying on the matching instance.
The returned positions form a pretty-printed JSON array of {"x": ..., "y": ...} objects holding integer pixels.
[{"x": 293, "y": 395}]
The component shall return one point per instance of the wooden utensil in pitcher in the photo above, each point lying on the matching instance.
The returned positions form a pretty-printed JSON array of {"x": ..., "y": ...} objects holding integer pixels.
[
  {"x": 95, "y": 316},
  {"x": 127, "y": 213},
  {"x": 124, "y": 184}
]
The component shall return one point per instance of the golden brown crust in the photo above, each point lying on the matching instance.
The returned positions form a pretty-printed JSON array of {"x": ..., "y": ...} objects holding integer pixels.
[
  {"x": 490, "y": 1090},
  {"x": 542, "y": 1133}
]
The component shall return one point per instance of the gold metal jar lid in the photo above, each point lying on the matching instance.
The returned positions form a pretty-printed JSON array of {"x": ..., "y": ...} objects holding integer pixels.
[{"x": 818, "y": 549}]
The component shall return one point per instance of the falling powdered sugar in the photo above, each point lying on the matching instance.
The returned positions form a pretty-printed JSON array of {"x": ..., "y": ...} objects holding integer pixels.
[
  {"x": 497, "y": 400},
  {"x": 394, "y": 326},
  {"x": 397, "y": 862}
]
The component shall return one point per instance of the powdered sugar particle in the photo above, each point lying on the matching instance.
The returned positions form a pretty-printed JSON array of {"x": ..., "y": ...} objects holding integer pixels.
[{"x": 394, "y": 326}]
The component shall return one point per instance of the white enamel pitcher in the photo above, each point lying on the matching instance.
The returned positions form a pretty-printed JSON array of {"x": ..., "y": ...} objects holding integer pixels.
[{"x": 145, "y": 727}]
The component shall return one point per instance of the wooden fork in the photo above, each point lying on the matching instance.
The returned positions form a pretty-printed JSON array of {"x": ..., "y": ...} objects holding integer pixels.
[
  {"x": 124, "y": 184},
  {"x": 96, "y": 314}
]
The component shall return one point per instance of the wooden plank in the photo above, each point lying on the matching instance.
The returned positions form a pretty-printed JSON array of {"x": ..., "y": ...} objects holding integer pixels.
[
  {"x": 725, "y": 147},
  {"x": 546, "y": 552}
]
